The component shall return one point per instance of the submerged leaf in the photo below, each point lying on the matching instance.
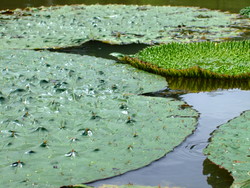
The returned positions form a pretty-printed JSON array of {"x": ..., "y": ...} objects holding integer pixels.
[
  {"x": 229, "y": 148},
  {"x": 64, "y": 26}
]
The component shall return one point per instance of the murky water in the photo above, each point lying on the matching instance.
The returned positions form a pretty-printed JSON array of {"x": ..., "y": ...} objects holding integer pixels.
[
  {"x": 225, "y": 5},
  {"x": 186, "y": 166}
]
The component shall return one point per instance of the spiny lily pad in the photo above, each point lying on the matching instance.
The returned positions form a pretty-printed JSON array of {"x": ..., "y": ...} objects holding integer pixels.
[
  {"x": 90, "y": 130},
  {"x": 202, "y": 59},
  {"x": 62, "y": 26},
  {"x": 245, "y": 11},
  {"x": 229, "y": 148}
]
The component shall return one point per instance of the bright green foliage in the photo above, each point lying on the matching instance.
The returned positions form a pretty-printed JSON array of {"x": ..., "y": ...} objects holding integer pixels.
[
  {"x": 229, "y": 148},
  {"x": 245, "y": 11},
  {"x": 63, "y": 26},
  {"x": 68, "y": 119},
  {"x": 202, "y": 59}
]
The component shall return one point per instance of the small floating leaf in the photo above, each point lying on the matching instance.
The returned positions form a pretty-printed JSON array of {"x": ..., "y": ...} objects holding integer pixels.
[{"x": 245, "y": 11}]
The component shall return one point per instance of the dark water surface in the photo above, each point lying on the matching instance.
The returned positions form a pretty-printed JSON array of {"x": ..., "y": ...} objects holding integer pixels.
[{"x": 225, "y": 5}]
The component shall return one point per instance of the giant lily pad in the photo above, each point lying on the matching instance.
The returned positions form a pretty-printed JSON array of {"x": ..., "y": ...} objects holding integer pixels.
[
  {"x": 229, "y": 148},
  {"x": 63, "y": 26},
  {"x": 202, "y": 59},
  {"x": 68, "y": 119}
]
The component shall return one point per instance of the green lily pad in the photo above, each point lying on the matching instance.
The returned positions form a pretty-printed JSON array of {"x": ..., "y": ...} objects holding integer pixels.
[
  {"x": 229, "y": 148},
  {"x": 245, "y": 11},
  {"x": 62, "y": 26},
  {"x": 203, "y": 59},
  {"x": 68, "y": 119}
]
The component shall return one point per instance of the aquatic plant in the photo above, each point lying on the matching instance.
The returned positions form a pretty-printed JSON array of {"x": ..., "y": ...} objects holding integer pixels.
[
  {"x": 202, "y": 59},
  {"x": 64, "y": 26},
  {"x": 245, "y": 12},
  {"x": 229, "y": 148},
  {"x": 68, "y": 119}
]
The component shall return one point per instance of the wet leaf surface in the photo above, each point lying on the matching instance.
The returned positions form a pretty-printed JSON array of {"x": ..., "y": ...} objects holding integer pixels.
[
  {"x": 96, "y": 127},
  {"x": 229, "y": 148},
  {"x": 65, "y": 26}
]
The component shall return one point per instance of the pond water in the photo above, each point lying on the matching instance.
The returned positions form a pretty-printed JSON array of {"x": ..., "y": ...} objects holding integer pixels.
[{"x": 185, "y": 166}]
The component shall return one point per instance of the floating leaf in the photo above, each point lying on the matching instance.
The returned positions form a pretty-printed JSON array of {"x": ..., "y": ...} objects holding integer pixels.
[
  {"x": 229, "y": 148},
  {"x": 245, "y": 11},
  {"x": 64, "y": 26},
  {"x": 131, "y": 131},
  {"x": 202, "y": 59}
]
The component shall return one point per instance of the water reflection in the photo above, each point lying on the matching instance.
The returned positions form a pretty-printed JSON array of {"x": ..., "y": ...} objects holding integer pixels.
[
  {"x": 201, "y": 84},
  {"x": 225, "y": 5},
  {"x": 216, "y": 177}
]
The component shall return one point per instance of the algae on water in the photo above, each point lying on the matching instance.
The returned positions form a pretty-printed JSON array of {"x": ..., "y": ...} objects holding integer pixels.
[
  {"x": 67, "y": 119},
  {"x": 229, "y": 148},
  {"x": 201, "y": 59},
  {"x": 64, "y": 26}
]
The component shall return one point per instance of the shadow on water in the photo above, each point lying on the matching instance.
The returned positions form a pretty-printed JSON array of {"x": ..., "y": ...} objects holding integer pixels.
[
  {"x": 216, "y": 174},
  {"x": 217, "y": 101},
  {"x": 100, "y": 49}
]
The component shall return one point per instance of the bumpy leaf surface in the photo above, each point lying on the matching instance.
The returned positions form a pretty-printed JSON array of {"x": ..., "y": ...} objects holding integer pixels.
[
  {"x": 63, "y": 26},
  {"x": 229, "y": 148},
  {"x": 68, "y": 119}
]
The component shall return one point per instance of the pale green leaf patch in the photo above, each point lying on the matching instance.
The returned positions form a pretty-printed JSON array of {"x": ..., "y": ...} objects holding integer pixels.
[
  {"x": 68, "y": 119},
  {"x": 64, "y": 26},
  {"x": 229, "y": 148}
]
